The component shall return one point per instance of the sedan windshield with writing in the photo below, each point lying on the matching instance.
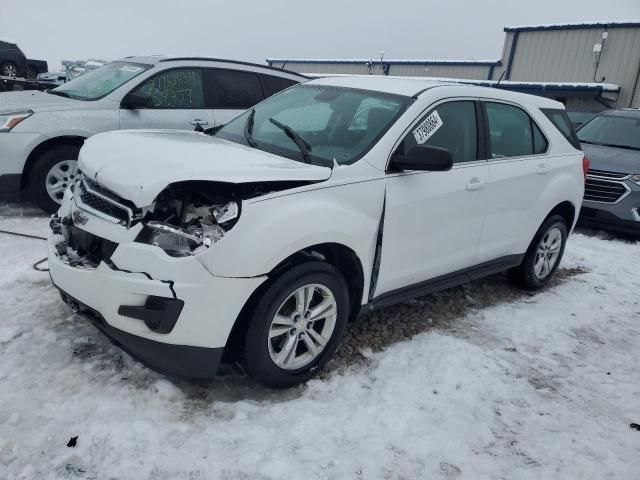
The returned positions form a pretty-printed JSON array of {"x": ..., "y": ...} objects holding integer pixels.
[
  {"x": 100, "y": 82},
  {"x": 612, "y": 131},
  {"x": 337, "y": 123}
]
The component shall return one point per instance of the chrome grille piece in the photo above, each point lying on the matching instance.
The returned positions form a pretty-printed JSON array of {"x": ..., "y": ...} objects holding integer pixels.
[
  {"x": 604, "y": 191},
  {"x": 605, "y": 174},
  {"x": 89, "y": 198}
]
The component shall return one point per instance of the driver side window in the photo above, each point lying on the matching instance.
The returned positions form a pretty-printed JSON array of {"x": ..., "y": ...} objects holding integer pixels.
[
  {"x": 174, "y": 89},
  {"x": 452, "y": 126}
]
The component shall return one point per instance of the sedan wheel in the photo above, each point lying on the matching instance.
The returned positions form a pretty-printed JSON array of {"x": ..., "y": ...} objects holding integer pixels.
[
  {"x": 60, "y": 176},
  {"x": 302, "y": 326}
]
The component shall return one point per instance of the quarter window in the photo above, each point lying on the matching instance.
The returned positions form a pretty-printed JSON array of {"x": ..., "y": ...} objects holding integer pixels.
[
  {"x": 175, "y": 89},
  {"x": 275, "y": 84},
  {"x": 450, "y": 125},
  {"x": 232, "y": 89},
  {"x": 512, "y": 132}
]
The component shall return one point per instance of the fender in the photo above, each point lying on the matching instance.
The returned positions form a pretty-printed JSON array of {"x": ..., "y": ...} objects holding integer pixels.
[{"x": 347, "y": 214}]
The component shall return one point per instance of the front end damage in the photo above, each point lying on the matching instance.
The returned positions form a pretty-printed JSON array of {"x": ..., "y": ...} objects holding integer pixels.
[{"x": 136, "y": 273}]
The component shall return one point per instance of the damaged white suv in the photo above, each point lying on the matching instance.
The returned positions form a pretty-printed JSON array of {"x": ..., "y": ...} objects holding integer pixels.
[{"x": 262, "y": 239}]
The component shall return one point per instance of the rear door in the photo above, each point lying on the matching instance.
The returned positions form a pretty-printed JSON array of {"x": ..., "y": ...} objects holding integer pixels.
[
  {"x": 177, "y": 102},
  {"x": 433, "y": 220},
  {"x": 518, "y": 169},
  {"x": 230, "y": 92}
]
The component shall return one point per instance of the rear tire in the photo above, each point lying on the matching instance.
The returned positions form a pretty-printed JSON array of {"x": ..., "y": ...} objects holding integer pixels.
[
  {"x": 52, "y": 173},
  {"x": 9, "y": 69},
  {"x": 543, "y": 255},
  {"x": 297, "y": 325}
]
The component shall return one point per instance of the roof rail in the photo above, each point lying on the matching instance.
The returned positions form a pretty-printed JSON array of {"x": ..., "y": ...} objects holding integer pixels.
[{"x": 225, "y": 60}]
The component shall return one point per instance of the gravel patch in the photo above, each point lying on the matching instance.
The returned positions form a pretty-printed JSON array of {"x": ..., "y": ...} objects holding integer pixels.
[{"x": 443, "y": 310}]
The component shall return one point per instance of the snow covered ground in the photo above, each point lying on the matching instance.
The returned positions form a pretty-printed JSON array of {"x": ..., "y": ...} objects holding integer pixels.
[{"x": 538, "y": 387}]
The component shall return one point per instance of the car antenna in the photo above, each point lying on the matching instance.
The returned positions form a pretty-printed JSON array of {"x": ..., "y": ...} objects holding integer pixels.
[{"x": 500, "y": 79}]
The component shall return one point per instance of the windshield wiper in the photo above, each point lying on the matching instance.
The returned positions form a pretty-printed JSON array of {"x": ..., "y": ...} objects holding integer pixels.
[
  {"x": 248, "y": 128},
  {"x": 304, "y": 147}
]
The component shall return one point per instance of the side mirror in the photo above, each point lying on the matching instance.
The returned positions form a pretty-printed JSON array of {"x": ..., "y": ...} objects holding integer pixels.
[
  {"x": 423, "y": 158},
  {"x": 136, "y": 100}
]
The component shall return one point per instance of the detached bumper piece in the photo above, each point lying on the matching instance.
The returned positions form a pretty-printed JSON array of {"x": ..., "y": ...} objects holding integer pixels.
[
  {"x": 198, "y": 363},
  {"x": 159, "y": 314}
]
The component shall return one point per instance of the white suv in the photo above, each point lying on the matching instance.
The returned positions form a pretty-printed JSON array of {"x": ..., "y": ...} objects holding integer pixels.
[
  {"x": 42, "y": 132},
  {"x": 331, "y": 198}
]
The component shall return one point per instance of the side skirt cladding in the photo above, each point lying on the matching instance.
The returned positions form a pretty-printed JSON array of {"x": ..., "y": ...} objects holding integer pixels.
[{"x": 444, "y": 282}]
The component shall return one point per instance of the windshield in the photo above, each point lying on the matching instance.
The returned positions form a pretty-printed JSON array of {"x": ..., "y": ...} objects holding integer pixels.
[
  {"x": 318, "y": 123},
  {"x": 101, "y": 81},
  {"x": 612, "y": 131}
]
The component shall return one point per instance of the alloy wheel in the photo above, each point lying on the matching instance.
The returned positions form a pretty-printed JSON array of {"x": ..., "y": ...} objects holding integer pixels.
[
  {"x": 548, "y": 252},
  {"x": 10, "y": 70},
  {"x": 302, "y": 326},
  {"x": 61, "y": 175}
]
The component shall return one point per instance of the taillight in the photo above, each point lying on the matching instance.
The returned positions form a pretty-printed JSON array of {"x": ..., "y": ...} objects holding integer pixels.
[{"x": 585, "y": 167}]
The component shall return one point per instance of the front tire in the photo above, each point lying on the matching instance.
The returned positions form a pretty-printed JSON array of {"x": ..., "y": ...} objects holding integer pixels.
[
  {"x": 297, "y": 325},
  {"x": 543, "y": 255},
  {"x": 53, "y": 172}
]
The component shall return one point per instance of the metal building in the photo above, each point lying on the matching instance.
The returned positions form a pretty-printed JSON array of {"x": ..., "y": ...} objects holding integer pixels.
[{"x": 586, "y": 65}]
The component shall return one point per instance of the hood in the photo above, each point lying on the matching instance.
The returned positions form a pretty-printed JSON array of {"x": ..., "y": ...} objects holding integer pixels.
[
  {"x": 37, "y": 101},
  {"x": 138, "y": 165},
  {"x": 612, "y": 159}
]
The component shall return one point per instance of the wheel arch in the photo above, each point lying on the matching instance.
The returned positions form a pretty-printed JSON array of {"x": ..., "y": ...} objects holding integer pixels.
[
  {"x": 567, "y": 211},
  {"x": 343, "y": 258},
  {"x": 76, "y": 140}
]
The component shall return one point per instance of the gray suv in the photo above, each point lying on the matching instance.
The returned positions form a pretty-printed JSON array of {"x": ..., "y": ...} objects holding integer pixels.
[
  {"x": 41, "y": 132},
  {"x": 611, "y": 142}
]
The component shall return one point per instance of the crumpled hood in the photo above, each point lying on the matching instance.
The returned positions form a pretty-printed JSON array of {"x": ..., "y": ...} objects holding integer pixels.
[
  {"x": 138, "y": 165},
  {"x": 612, "y": 159},
  {"x": 38, "y": 102}
]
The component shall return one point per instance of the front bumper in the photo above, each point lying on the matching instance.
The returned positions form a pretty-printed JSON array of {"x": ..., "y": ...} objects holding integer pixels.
[
  {"x": 136, "y": 273},
  {"x": 15, "y": 148},
  {"x": 622, "y": 216}
]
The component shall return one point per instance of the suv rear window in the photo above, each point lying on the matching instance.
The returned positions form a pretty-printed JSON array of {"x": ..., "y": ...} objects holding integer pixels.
[
  {"x": 232, "y": 89},
  {"x": 561, "y": 121}
]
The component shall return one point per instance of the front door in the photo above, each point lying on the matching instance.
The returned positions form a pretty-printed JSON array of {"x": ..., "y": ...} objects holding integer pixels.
[
  {"x": 433, "y": 220},
  {"x": 177, "y": 101}
]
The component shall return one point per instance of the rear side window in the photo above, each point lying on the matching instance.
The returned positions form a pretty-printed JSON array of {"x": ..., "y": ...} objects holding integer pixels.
[
  {"x": 512, "y": 132},
  {"x": 561, "y": 121},
  {"x": 451, "y": 126},
  {"x": 273, "y": 85},
  {"x": 232, "y": 89}
]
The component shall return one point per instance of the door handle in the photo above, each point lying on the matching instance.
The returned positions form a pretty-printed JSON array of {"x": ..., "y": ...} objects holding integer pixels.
[
  {"x": 197, "y": 121},
  {"x": 475, "y": 184},
  {"x": 542, "y": 169}
]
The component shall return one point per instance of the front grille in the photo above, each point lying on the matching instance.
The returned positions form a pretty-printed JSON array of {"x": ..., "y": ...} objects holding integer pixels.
[
  {"x": 604, "y": 191},
  {"x": 91, "y": 197},
  {"x": 605, "y": 174}
]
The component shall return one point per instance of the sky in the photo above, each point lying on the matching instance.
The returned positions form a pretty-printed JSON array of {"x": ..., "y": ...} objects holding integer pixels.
[{"x": 254, "y": 30}]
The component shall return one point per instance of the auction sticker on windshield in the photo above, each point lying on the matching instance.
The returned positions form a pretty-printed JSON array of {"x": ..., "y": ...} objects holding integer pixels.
[{"x": 427, "y": 128}]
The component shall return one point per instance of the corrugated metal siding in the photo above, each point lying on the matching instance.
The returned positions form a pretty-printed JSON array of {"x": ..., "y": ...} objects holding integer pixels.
[
  {"x": 567, "y": 56},
  {"x": 499, "y": 69},
  {"x": 636, "y": 97},
  {"x": 478, "y": 72}
]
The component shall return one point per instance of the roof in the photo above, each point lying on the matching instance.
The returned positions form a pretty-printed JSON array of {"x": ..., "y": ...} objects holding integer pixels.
[
  {"x": 155, "y": 59},
  {"x": 624, "y": 112},
  {"x": 407, "y": 86},
  {"x": 574, "y": 26},
  {"x": 8, "y": 40},
  {"x": 404, "y": 61}
]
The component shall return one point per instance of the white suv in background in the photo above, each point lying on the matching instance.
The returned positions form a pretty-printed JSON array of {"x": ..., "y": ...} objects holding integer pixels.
[
  {"x": 42, "y": 132},
  {"x": 330, "y": 198}
]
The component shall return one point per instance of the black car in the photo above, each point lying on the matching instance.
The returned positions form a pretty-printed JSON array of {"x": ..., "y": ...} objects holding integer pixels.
[
  {"x": 13, "y": 63},
  {"x": 611, "y": 142}
]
